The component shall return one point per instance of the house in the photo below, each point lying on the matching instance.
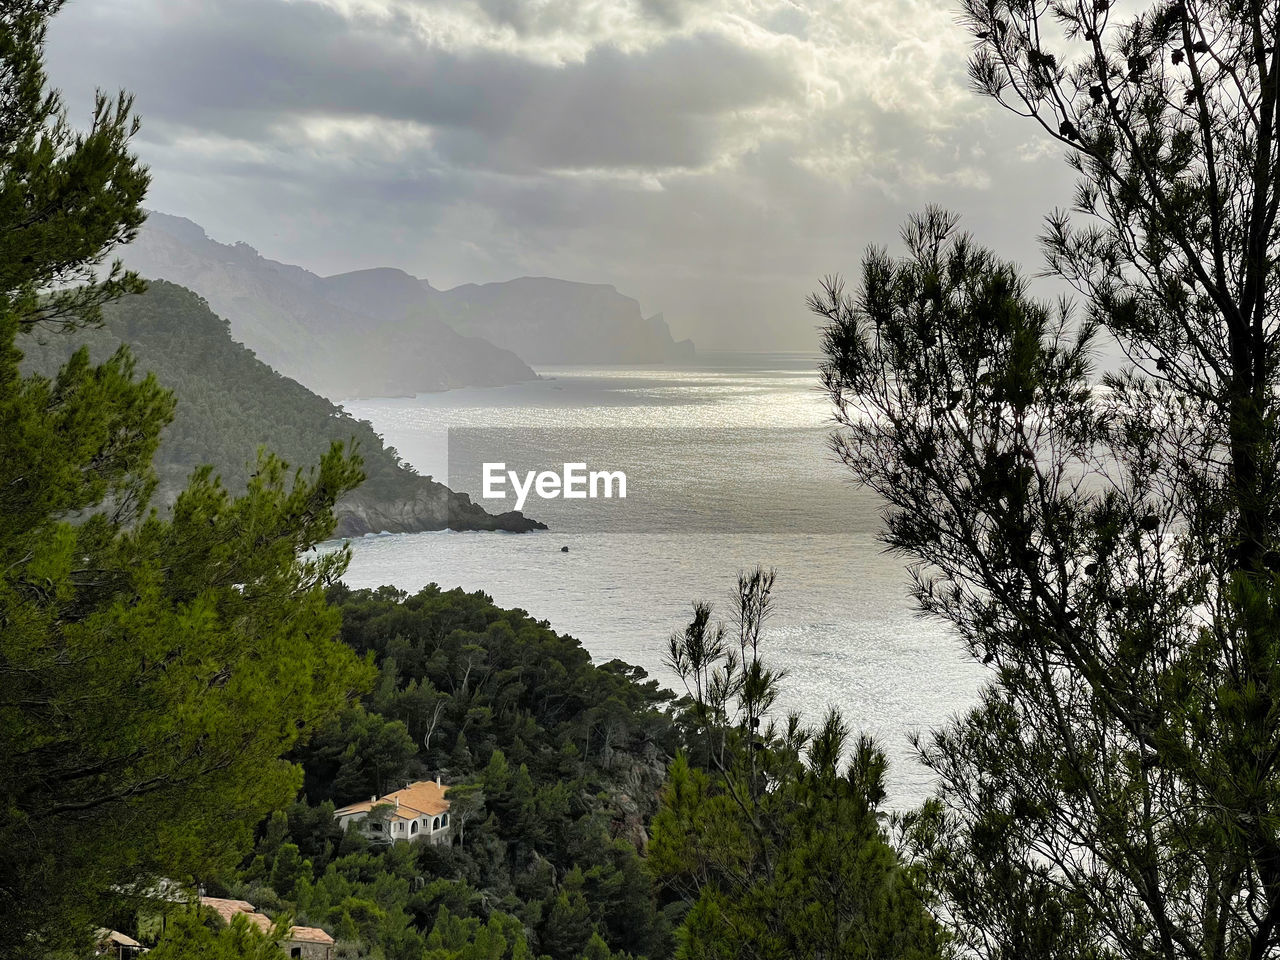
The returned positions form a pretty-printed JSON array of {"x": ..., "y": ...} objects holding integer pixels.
[
  {"x": 230, "y": 909},
  {"x": 418, "y": 812},
  {"x": 309, "y": 943},
  {"x": 118, "y": 946}
]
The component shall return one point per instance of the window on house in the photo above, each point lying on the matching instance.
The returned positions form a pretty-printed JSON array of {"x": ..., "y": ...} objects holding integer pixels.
[
  {"x": 295, "y": 952},
  {"x": 435, "y": 824},
  {"x": 444, "y": 820},
  {"x": 414, "y": 827}
]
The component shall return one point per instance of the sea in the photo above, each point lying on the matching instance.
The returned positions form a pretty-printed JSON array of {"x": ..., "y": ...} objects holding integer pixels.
[{"x": 727, "y": 467}]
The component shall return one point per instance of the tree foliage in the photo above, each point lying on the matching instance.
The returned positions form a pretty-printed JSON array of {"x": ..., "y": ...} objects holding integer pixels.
[
  {"x": 201, "y": 933},
  {"x": 66, "y": 197},
  {"x": 1098, "y": 546},
  {"x": 549, "y": 792},
  {"x": 776, "y": 844},
  {"x": 152, "y": 672},
  {"x": 1110, "y": 548}
]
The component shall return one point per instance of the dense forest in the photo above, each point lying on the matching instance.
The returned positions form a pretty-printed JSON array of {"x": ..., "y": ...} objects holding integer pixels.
[
  {"x": 230, "y": 404},
  {"x": 187, "y": 694},
  {"x": 556, "y": 763},
  {"x": 557, "y": 767}
]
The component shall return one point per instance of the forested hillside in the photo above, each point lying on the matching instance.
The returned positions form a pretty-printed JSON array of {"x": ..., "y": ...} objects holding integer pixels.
[
  {"x": 229, "y": 403},
  {"x": 766, "y": 838},
  {"x": 557, "y": 766}
]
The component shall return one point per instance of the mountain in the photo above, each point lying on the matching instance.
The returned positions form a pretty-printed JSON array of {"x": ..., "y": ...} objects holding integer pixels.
[
  {"x": 338, "y": 349},
  {"x": 383, "y": 332},
  {"x": 557, "y": 321},
  {"x": 230, "y": 403},
  {"x": 541, "y": 319}
]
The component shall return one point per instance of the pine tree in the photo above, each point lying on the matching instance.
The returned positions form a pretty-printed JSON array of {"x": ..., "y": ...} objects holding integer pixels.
[
  {"x": 775, "y": 845},
  {"x": 568, "y": 926},
  {"x": 188, "y": 934},
  {"x": 1110, "y": 548},
  {"x": 152, "y": 670},
  {"x": 1110, "y": 551}
]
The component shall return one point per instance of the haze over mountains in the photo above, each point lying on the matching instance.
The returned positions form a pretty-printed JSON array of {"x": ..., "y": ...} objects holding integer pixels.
[
  {"x": 382, "y": 332},
  {"x": 230, "y": 403},
  {"x": 254, "y": 351},
  {"x": 543, "y": 320}
]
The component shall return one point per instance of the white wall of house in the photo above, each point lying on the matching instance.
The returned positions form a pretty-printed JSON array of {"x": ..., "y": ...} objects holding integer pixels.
[{"x": 432, "y": 829}]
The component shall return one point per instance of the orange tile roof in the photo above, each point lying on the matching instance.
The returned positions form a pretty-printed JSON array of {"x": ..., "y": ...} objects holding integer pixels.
[
  {"x": 259, "y": 920},
  {"x": 364, "y": 806},
  {"x": 309, "y": 935},
  {"x": 116, "y": 937},
  {"x": 229, "y": 909},
  {"x": 423, "y": 799},
  {"x": 426, "y": 798}
]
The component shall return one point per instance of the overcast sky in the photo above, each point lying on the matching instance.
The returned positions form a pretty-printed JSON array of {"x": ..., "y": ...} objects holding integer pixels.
[{"x": 713, "y": 158}]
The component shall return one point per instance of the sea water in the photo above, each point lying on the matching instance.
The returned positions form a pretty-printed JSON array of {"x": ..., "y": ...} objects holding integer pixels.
[{"x": 728, "y": 467}]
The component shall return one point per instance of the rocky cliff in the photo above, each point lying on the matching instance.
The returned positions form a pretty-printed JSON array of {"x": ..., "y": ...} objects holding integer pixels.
[
  {"x": 432, "y": 507},
  {"x": 284, "y": 315}
]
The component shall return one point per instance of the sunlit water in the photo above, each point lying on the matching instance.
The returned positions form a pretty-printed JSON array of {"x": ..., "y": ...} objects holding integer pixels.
[{"x": 742, "y": 477}]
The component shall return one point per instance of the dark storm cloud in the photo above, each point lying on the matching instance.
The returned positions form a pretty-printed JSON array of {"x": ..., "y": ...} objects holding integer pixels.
[
  {"x": 238, "y": 67},
  {"x": 712, "y": 157}
]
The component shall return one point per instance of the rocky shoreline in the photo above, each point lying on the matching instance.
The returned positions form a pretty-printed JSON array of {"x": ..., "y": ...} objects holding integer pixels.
[{"x": 434, "y": 507}]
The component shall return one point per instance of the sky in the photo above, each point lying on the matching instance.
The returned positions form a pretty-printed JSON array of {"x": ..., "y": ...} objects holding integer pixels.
[{"x": 712, "y": 158}]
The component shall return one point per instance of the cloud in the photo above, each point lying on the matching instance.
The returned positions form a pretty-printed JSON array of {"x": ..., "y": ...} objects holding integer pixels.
[{"x": 712, "y": 157}]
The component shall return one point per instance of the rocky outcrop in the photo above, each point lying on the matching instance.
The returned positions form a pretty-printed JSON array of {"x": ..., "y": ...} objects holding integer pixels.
[
  {"x": 679, "y": 351},
  {"x": 434, "y": 507},
  {"x": 634, "y": 796}
]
